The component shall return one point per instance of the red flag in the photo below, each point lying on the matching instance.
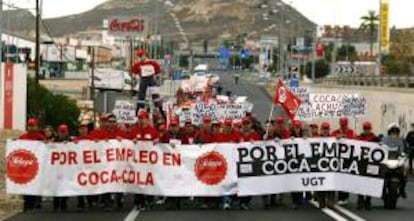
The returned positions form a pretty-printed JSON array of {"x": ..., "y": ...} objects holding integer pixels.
[{"x": 287, "y": 99}]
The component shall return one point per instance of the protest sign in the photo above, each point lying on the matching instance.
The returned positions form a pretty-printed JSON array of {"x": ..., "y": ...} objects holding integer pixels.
[
  {"x": 88, "y": 168},
  {"x": 201, "y": 109},
  {"x": 232, "y": 111},
  {"x": 322, "y": 106},
  {"x": 125, "y": 112},
  {"x": 319, "y": 164}
]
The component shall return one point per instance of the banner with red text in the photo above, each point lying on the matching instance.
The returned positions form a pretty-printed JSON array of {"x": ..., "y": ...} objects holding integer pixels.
[{"x": 87, "y": 168}]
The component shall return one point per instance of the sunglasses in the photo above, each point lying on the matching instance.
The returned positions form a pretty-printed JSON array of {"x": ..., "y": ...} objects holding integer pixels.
[{"x": 112, "y": 121}]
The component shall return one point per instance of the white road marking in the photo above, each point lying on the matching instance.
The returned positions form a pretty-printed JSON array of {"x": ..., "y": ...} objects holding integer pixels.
[
  {"x": 349, "y": 213},
  {"x": 330, "y": 212},
  {"x": 133, "y": 214}
]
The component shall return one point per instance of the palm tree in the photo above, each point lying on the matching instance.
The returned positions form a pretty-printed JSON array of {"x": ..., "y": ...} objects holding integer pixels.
[{"x": 370, "y": 24}]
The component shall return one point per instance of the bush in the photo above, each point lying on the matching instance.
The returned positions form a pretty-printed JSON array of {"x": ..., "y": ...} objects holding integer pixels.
[
  {"x": 55, "y": 109},
  {"x": 322, "y": 69}
]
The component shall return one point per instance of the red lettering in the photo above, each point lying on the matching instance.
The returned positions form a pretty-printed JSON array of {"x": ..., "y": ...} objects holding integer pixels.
[
  {"x": 150, "y": 179},
  {"x": 110, "y": 155},
  {"x": 82, "y": 179},
  {"x": 166, "y": 161},
  {"x": 133, "y": 25},
  {"x": 87, "y": 156},
  {"x": 114, "y": 177},
  {"x": 153, "y": 157},
  {"x": 93, "y": 178},
  {"x": 120, "y": 154},
  {"x": 143, "y": 156},
  {"x": 131, "y": 177},
  {"x": 130, "y": 154},
  {"x": 54, "y": 157},
  {"x": 72, "y": 158},
  {"x": 104, "y": 177},
  {"x": 176, "y": 159},
  {"x": 96, "y": 157}
]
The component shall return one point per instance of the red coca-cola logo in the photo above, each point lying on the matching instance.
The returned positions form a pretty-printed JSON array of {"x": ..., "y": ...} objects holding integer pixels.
[
  {"x": 211, "y": 168},
  {"x": 133, "y": 25},
  {"x": 21, "y": 166}
]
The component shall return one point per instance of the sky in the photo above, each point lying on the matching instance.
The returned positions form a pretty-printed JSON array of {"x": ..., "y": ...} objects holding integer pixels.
[{"x": 323, "y": 12}]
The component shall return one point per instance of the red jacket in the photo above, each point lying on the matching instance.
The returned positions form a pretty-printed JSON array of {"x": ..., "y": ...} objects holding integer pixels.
[
  {"x": 232, "y": 137},
  {"x": 146, "y": 68},
  {"x": 203, "y": 137},
  {"x": 79, "y": 138},
  {"x": 97, "y": 134},
  {"x": 285, "y": 134},
  {"x": 148, "y": 133},
  {"x": 167, "y": 137},
  {"x": 33, "y": 136},
  {"x": 368, "y": 137},
  {"x": 117, "y": 133},
  {"x": 349, "y": 133},
  {"x": 251, "y": 136}
]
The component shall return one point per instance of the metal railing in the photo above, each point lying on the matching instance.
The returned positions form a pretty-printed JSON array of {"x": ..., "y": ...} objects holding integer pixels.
[{"x": 404, "y": 81}]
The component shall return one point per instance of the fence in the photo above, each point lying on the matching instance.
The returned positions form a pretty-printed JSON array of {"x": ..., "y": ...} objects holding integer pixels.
[{"x": 375, "y": 81}]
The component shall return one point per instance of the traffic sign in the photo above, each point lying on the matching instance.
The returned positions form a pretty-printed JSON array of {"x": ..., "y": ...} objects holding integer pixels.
[{"x": 346, "y": 69}]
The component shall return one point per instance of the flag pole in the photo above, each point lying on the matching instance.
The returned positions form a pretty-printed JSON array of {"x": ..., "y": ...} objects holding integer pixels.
[{"x": 269, "y": 119}]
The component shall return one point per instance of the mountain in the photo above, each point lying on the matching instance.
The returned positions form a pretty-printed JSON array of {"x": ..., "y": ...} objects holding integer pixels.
[{"x": 200, "y": 19}]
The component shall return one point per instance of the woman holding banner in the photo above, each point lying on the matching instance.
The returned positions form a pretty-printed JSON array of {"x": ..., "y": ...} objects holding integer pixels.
[{"x": 297, "y": 132}]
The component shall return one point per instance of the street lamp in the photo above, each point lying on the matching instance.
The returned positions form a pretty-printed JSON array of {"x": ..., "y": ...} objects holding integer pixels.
[{"x": 37, "y": 61}]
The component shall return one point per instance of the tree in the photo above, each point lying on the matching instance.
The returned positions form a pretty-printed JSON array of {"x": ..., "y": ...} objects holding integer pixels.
[
  {"x": 55, "y": 108},
  {"x": 346, "y": 53},
  {"x": 370, "y": 24},
  {"x": 322, "y": 69}
]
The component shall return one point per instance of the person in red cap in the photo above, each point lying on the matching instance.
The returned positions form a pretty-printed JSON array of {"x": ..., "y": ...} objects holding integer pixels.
[
  {"x": 143, "y": 131},
  {"x": 31, "y": 202},
  {"x": 63, "y": 136},
  {"x": 112, "y": 130},
  {"x": 147, "y": 70},
  {"x": 314, "y": 129},
  {"x": 343, "y": 132},
  {"x": 247, "y": 134},
  {"x": 99, "y": 133},
  {"x": 228, "y": 135},
  {"x": 325, "y": 198},
  {"x": 174, "y": 134},
  {"x": 205, "y": 135},
  {"x": 368, "y": 136},
  {"x": 190, "y": 131},
  {"x": 279, "y": 130}
]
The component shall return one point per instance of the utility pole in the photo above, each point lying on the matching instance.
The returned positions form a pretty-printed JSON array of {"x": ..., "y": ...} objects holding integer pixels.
[
  {"x": 314, "y": 45},
  {"x": 93, "y": 97},
  {"x": 37, "y": 62},
  {"x": 1, "y": 42}
]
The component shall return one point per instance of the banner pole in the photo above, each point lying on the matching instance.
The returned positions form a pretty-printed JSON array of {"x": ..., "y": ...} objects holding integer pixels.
[{"x": 269, "y": 119}]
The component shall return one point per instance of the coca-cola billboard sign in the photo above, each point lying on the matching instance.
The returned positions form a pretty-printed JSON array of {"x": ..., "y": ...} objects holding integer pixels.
[{"x": 126, "y": 26}]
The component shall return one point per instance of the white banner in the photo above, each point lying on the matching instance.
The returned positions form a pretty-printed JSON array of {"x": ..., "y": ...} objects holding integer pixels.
[
  {"x": 89, "y": 168},
  {"x": 322, "y": 106},
  {"x": 298, "y": 165}
]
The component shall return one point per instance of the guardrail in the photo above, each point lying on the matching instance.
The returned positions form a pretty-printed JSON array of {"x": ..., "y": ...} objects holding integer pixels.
[{"x": 375, "y": 81}]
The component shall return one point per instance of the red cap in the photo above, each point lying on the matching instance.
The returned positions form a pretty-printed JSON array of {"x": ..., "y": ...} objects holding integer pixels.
[
  {"x": 297, "y": 124},
  {"x": 343, "y": 121},
  {"x": 188, "y": 122},
  {"x": 103, "y": 117},
  {"x": 280, "y": 120},
  {"x": 141, "y": 52},
  {"x": 143, "y": 115},
  {"x": 206, "y": 119},
  {"x": 325, "y": 125},
  {"x": 174, "y": 122},
  {"x": 162, "y": 127},
  {"x": 245, "y": 120},
  {"x": 228, "y": 122},
  {"x": 237, "y": 124},
  {"x": 63, "y": 128},
  {"x": 32, "y": 122},
  {"x": 367, "y": 125}
]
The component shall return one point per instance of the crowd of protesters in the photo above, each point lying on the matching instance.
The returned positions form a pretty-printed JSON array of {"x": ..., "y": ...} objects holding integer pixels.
[{"x": 154, "y": 128}]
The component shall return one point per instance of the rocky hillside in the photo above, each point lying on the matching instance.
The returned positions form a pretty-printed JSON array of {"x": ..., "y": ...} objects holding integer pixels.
[{"x": 201, "y": 19}]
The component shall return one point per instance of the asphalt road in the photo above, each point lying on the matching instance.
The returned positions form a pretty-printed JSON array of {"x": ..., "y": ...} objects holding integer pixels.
[{"x": 262, "y": 103}]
